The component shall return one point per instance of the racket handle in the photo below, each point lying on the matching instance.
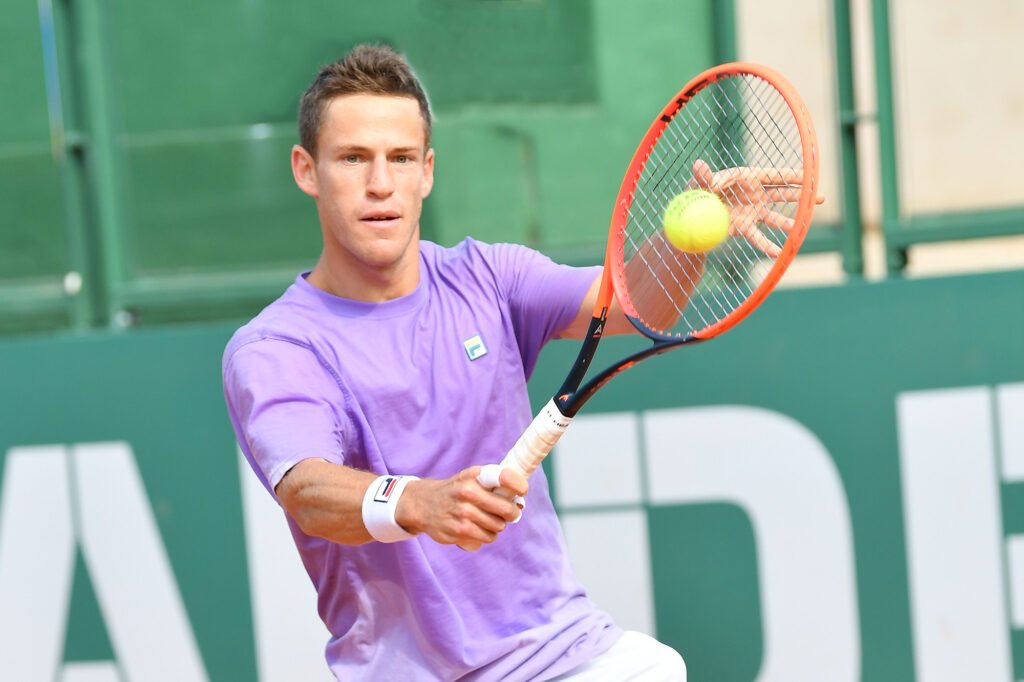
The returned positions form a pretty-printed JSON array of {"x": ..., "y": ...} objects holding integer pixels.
[
  {"x": 537, "y": 440},
  {"x": 529, "y": 451}
]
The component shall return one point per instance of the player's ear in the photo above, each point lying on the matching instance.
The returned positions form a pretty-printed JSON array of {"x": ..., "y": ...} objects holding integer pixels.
[
  {"x": 304, "y": 170},
  {"x": 428, "y": 172}
]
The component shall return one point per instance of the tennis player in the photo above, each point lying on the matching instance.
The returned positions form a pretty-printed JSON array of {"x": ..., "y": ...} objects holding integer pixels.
[{"x": 367, "y": 397}]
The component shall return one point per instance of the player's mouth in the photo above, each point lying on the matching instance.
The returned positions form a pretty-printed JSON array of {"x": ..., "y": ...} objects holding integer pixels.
[{"x": 381, "y": 219}]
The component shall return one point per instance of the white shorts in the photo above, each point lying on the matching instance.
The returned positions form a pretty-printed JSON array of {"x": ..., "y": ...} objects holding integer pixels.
[{"x": 634, "y": 658}]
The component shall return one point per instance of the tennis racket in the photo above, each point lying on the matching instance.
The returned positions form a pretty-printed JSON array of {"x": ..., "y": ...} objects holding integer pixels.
[{"x": 740, "y": 131}]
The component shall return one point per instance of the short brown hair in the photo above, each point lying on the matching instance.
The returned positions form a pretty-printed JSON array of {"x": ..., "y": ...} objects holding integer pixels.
[{"x": 366, "y": 69}]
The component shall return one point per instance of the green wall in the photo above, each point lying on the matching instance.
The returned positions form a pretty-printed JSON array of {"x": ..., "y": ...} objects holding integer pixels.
[
  {"x": 175, "y": 198},
  {"x": 33, "y": 243},
  {"x": 835, "y": 361}
]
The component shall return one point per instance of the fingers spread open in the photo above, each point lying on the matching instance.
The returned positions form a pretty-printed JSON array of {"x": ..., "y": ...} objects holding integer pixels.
[
  {"x": 778, "y": 176},
  {"x": 760, "y": 241},
  {"x": 777, "y": 220},
  {"x": 788, "y": 194},
  {"x": 702, "y": 174},
  {"x": 785, "y": 194}
]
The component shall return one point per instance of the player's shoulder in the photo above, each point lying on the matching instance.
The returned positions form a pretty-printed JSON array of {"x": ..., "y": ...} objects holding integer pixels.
[
  {"x": 473, "y": 254},
  {"x": 465, "y": 250},
  {"x": 287, "y": 319}
]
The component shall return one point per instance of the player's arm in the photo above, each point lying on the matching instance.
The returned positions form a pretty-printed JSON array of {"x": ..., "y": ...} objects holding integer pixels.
[
  {"x": 326, "y": 500},
  {"x": 682, "y": 267},
  {"x": 617, "y": 322}
]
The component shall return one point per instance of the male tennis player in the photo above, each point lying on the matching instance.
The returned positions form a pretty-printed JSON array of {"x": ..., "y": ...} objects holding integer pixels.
[{"x": 368, "y": 396}]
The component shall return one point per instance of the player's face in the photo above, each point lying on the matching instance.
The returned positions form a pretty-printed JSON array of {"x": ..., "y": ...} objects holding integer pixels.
[{"x": 370, "y": 177}]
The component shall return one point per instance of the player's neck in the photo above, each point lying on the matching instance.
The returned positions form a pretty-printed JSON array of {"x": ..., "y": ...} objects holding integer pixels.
[{"x": 360, "y": 282}]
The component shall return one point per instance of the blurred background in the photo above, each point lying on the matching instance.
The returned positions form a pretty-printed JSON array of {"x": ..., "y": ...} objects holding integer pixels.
[{"x": 847, "y": 499}]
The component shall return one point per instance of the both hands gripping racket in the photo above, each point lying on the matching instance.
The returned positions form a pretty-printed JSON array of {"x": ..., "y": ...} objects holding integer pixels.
[{"x": 741, "y": 131}]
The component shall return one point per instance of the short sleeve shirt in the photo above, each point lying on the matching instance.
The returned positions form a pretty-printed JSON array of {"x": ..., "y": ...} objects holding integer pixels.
[{"x": 427, "y": 384}]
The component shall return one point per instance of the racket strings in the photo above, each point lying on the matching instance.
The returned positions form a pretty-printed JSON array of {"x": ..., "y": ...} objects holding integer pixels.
[
  {"x": 668, "y": 306},
  {"x": 760, "y": 123},
  {"x": 673, "y": 171},
  {"x": 662, "y": 251},
  {"x": 684, "y": 280},
  {"x": 739, "y": 122}
]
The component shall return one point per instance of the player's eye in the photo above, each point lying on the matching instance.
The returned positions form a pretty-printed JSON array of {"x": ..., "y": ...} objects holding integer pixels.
[
  {"x": 351, "y": 158},
  {"x": 402, "y": 158}
]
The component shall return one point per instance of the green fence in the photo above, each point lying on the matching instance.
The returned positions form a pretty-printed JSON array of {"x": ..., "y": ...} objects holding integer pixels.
[
  {"x": 962, "y": 122},
  {"x": 147, "y": 152},
  {"x": 834, "y": 490},
  {"x": 143, "y": 161}
]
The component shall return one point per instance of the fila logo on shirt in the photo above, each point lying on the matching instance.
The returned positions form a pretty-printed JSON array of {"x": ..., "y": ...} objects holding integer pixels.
[{"x": 475, "y": 347}]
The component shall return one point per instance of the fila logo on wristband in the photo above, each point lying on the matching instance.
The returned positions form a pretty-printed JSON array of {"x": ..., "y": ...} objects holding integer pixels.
[
  {"x": 379, "y": 504},
  {"x": 386, "y": 487}
]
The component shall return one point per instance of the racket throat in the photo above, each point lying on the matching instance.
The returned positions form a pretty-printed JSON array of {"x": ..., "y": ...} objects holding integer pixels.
[
  {"x": 582, "y": 395},
  {"x": 565, "y": 398}
]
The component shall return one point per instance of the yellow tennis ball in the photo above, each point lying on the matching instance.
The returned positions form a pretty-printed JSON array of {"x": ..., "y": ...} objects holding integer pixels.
[{"x": 696, "y": 221}]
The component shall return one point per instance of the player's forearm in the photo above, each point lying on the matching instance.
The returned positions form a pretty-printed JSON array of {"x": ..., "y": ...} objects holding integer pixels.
[
  {"x": 661, "y": 280},
  {"x": 659, "y": 305},
  {"x": 326, "y": 500},
  {"x": 616, "y": 322}
]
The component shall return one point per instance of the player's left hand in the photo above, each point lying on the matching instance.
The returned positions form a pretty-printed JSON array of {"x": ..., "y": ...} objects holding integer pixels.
[{"x": 749, "y": 193}]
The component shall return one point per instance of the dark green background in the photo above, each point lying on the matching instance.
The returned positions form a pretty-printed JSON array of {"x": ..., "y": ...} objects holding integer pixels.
[
  {"x": 181, "y": 190},
  {"x": 834, "y": 359}
]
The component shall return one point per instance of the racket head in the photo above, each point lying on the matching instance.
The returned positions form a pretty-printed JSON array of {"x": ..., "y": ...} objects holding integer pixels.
[{"x": 744, "y": 126}]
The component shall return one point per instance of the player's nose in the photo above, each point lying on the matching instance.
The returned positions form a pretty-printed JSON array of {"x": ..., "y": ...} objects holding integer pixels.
[{"x": 380, "y": 182}]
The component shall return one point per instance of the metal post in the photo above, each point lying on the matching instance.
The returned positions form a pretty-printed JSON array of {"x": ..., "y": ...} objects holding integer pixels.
[
  {"x": 103, "y": 158},
  {"x": 896, "y": 258},
  {"x": 723, "y": 17},
  {"x": 851, "y": 235},
  {"x": 67, "y": 148}
]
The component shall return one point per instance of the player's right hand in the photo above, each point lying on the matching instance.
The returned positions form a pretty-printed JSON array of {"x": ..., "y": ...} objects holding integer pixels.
[{"x": 459, "y": 510}]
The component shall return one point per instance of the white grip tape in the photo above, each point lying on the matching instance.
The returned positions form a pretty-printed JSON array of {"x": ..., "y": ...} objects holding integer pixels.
[
  {"x": 538, "y": 439},
  {"x": 379, "y": 504},
  {"x": 529, "y": 451},
  {"x": 489, "y": 476}
]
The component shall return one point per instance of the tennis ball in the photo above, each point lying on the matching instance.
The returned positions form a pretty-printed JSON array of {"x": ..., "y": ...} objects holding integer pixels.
[{"x": 696, "y": 221}]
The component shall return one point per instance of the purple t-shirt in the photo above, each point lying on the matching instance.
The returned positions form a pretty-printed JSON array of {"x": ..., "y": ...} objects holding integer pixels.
[{"x": 391, "y": 388}]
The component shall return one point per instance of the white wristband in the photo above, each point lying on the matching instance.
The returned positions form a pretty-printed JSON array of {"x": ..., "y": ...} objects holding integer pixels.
[{"x": 379, "y": 504}]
